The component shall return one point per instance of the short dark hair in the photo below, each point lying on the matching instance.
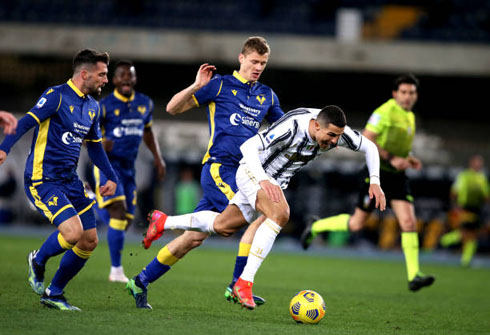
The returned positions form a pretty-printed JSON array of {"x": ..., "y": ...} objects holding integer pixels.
[
  {"x": 89, "y": 56},
  {"x": 406, "y": 79},
  {"x": 123, "y": 62},
  {"x": 332, "y": 114},
  {"x": 256, "y": 43}
]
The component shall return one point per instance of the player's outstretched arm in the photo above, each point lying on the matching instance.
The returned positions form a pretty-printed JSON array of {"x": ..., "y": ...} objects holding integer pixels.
[{"x": 183, "y": 100}]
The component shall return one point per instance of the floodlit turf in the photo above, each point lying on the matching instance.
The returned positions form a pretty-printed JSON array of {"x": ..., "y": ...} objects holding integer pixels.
[{"x": 362, "y": 296}]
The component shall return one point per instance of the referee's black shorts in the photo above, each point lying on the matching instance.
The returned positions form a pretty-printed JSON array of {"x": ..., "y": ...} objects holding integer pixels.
[{"x": 395, "y": 185}]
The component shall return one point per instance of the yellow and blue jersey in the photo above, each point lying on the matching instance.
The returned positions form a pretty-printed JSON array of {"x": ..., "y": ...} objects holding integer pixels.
[
  {"x": 123, "y": 121},
  {"x": 65, "y": 118},
  {"x": 236, "y": 108}
]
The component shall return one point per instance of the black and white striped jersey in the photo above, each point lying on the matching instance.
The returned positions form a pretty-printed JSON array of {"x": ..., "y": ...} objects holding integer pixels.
[{"x": 286, "y": 146}]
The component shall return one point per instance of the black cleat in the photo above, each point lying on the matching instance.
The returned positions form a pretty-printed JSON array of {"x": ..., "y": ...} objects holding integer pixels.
[
  {"x": 139, "y": 294},
  {"x": 58, "y": 302},
  {"x": 307, "y": 237},
  {"x": 420, "y": 281}
]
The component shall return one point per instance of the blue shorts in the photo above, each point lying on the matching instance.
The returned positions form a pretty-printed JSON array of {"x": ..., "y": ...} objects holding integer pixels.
[
  {"x": 219, "y": 186},
  {"x": 60, "y": 200},
  {"x": 126, "y": 186}
]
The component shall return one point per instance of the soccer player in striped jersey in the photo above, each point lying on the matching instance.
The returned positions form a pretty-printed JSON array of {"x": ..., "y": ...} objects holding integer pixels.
[
  {"x": 237, "y": 105},
  {"x": 392, "y": 128},
  {"x": 270, "y": 159},
  {"x": 64, "y": 117},
  {"x": 126, "y": 120}
]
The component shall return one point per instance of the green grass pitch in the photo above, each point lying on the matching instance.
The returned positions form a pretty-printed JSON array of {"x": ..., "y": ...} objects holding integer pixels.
[{"x": 362, "y": 296}]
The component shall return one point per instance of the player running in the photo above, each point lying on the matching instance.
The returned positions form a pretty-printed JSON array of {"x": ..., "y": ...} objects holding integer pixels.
[
  {"x": 237, "y": 105},
  {"x": 270, "y": 159},
  {"x": 126, "y": 119},
  {"x": 64, "y": 117}
]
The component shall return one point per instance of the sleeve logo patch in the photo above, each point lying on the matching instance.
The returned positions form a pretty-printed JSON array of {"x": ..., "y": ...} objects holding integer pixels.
[
  {"x": 41, "y": 102},
  {"x": 374, "y": 119}
]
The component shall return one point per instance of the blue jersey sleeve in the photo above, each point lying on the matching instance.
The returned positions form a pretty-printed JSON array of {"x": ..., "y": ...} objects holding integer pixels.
[
  {"x": 47, "y": 105},
  {"x": 94, "y": 134},
  {"x": 210, "y": 91},
  {"x": 149, "y": 115},
  {"x": 275, "y": 112}
]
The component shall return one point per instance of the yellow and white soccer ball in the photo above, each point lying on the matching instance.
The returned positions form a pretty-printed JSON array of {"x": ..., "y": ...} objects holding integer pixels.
[{"x": 307, "y": 307}]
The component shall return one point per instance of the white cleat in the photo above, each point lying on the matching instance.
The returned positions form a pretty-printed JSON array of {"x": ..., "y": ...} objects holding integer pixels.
[{"x": 117, "y": 275}]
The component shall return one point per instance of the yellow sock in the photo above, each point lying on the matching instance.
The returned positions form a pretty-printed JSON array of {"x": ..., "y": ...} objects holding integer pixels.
[
  {"x": 469, "y": 250},
  {"x": 118, "y": 224},
  {"x": 165, "y": 257},
  {"x": 244, "y": 249},
  {"x": 410, "y": 246},
  {"x": 332, "y": 223},
  {"x": 451, "y": 238}
]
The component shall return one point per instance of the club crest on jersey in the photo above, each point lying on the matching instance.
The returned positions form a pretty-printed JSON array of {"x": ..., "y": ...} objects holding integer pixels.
[
  {"x": 53, "y": 201},
  {"x": 71, "y": 109},
  {"x": 269, "y": 138},
  {"x": 260, "y": 99},
  {"x": 142, "y": 109},
  {"x": 234, "y": 92},
  {"x": 91, "y": 113},
  {"x": 116, "y": 112},
  {"x": 41, "y": 102}
]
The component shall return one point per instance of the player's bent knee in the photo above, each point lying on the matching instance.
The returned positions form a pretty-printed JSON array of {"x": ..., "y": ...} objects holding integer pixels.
[
  {"x": 355, "y": 226},
  {"x": 281, "y": 217}
]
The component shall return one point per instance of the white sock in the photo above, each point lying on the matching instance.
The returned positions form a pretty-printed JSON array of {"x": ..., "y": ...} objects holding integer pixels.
[
  {"x": 261, "y": 246},
  {"x": 202, "y": 221}
]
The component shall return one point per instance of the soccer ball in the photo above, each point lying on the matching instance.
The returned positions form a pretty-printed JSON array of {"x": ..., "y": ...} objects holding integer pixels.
[{"x": 307, "y": 307}]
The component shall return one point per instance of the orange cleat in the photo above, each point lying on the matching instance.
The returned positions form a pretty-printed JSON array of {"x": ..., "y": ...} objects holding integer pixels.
[
  {"x": 156, "y": 227},
  {"x": 243, "y": 291}
]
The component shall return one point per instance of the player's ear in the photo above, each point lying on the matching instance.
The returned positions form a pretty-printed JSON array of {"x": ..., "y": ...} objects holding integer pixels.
[{"x": 241, "y": 58}]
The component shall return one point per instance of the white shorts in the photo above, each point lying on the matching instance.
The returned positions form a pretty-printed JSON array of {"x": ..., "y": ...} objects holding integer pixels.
[{"x": 245, "y": 198}]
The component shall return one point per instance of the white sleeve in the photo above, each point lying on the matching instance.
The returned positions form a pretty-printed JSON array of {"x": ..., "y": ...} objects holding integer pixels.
[
  {"x": 372, "y": 159},
  {"x": 250, "y": 151},
  {"x": 353, "y": 140}
]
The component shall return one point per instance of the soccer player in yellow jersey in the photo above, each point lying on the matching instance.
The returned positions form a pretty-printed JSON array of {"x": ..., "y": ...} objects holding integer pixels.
[
  {"x": 470, "y": 191},
  {"x": 392, "y": 128}
]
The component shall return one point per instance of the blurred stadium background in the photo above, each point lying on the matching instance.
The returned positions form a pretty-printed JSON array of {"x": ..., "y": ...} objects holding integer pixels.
[{"x": 343, "y": 52}]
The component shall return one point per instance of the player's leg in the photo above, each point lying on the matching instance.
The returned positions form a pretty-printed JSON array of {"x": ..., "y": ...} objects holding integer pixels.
[
  {"x": 71, "y": 230},
  {"x": 115, "y": 238},
  {"x": 51, "y": 202},
  {"x": 405, "y": 214},
  {"x": 469, "y": 238},
  {"x": 162, "y": 263},
  {"x": 241, "y": 260},
  {"x": 277, "y": 215},
  {"x": 116, "y": 206}
]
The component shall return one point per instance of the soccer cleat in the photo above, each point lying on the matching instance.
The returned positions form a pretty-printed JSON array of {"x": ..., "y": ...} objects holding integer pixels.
[
  {"x": 420, "y": 281},
  {"x": 155, "y": 228},
  {"x": 307, "y": 236},
  {"x": 58, "y": 302},
  {"x": 259, "y": 301},
  {"x": 139, "y": 294},
  {"x": 36, "y": 273},
  {"x": 118, "y": 276},
  {"x": 243, "y": 292}
]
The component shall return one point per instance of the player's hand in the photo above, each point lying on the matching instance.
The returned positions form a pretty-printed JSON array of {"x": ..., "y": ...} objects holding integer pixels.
[
  {"x": 161, "y": 168},
  {"x": 108, "y": 189},
  {"x": 399, "y": 163},
  {"x": 376, "y": 192},
  {"x": 8, "y": 122},
  {"x": 3, "y": 156},
  {"x": 273, "y": 192},
  {"x": 204, "y": 75},
  {"x": 414, "y": 162},
  {"x": 107, "y": 144}
]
